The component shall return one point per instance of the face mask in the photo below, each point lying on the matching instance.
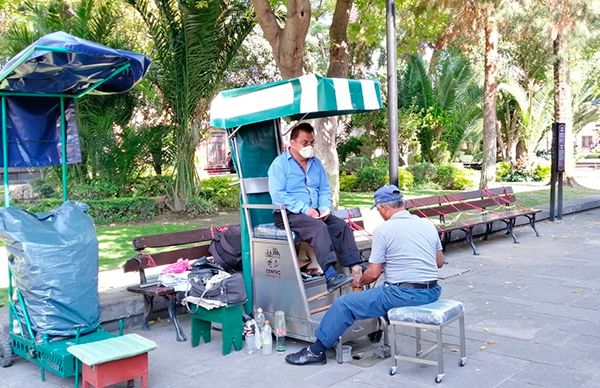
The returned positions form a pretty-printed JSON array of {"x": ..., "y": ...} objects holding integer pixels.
[{"x": 307, "y": 152}]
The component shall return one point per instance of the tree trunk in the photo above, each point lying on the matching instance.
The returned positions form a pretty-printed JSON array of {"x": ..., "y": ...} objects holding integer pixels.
[
  {"x": 500, "y": 140},
  {"x": 488, "y": 161},
  {"x": 339, "y": 59},
  {"x": 287, "y": 43},
  {"x": 563, "y": 111}
]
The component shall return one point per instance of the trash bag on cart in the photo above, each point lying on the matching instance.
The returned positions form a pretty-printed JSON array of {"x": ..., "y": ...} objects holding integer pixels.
[{"x": 54, "y": 263}]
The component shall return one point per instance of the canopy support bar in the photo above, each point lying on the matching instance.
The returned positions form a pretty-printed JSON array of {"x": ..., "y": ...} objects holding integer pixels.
[
  {"x": 63, "y": 139},
  {"x": 5, "y": 154}
]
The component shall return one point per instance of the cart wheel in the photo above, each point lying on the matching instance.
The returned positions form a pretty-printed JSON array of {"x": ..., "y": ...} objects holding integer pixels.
[
  {"x": 462, "y": 361},
  {"x": 376, "y": 336},
  {"x": 6, "y": 354},
  {"x": 393, "y": 370},
  {"x": 438, "y": 378}
]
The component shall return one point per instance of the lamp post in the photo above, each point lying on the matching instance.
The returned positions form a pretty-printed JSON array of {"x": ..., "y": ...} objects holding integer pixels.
[{"x": 392, "y": 90}]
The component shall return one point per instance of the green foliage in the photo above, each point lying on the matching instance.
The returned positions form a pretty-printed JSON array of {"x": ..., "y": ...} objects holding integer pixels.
[
  {"x": 194, "y": 44},
  {"x": 108, "y": 211},
  {"x": 99, "y": 189},
  {"x": 502, "y": 171},
  {"x": 450, "y": 177},
  {"x": 371, "y": 178},
  {"x": 150, "y": 186},
  {"x": 350, "y": 147},
  {"x": 440, "y": 153},
  {"x": 405, "y": 180},
  {"x": 221, "y": 192},
  {"x": 200, "y": 206},
  {"x": 45, "y": 188},
  {"x": 355, "y": 163},
  {"x": 423, "y": 172},
  {"x": 348, "y": 182}
]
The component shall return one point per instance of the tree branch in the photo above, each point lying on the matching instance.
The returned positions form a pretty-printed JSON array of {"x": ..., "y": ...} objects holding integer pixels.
[{"x": 268, "y": 23}]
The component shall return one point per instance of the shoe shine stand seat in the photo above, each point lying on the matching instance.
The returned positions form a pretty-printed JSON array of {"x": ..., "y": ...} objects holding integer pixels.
[
  {"x": 251, "y": 117},
  {"x": 434, "y": 317}
]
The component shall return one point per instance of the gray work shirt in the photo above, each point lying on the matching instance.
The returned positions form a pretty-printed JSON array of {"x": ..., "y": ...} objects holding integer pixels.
[{"x": 407, "y": 246}]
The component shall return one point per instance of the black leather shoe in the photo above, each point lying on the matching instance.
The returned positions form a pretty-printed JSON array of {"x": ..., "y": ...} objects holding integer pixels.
[
  {"x": 304, "y": 357},
  {"x": 337, "y": 281}
]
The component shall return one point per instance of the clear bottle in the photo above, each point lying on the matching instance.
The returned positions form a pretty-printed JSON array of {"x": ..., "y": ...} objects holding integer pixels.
[
  {"x": 249, "y": 338},
  {"x": 280, "y": 331},
  {"x": 267, "y": 339},
  {"x": 259, "y": 317}
]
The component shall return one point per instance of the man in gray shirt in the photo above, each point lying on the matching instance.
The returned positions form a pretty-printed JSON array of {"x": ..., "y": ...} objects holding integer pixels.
[{"x": 409, "y": 250}]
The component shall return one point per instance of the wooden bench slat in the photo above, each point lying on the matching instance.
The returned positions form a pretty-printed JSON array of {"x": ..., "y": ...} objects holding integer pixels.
[{"x": 175, "y": 238}]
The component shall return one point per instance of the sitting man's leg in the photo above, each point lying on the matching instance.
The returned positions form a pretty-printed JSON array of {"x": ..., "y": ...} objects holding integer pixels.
[
  {"x": 314, "y": 231},
  {"x": 344, "y": 244}
]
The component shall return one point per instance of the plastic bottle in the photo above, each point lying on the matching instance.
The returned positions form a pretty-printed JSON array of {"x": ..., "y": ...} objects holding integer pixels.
[
  {"x": 280, "y": 331},
  {"x": 249, "y": 337},
  {"x": 259, "y": 318},
  {"x": 267, "y": 339}
]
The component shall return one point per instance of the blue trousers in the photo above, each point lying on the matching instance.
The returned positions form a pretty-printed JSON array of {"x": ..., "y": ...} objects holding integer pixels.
[{"x": 371, "y": 303}]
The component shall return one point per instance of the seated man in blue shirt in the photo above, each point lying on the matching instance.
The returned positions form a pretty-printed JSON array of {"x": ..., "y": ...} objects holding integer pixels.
[{"x": 298, "y": 180}]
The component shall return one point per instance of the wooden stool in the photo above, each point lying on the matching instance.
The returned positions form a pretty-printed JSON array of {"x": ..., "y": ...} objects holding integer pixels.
[
  {"x": 230, "y": 318},
  {"x": 433, "y": 316},
  {"x": 114, "y": 360}
]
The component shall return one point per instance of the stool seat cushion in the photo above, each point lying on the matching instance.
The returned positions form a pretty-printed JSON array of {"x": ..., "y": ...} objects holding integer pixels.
[
  {"x": 436, "y": 313},
  {"x": 111, "y": 349},
  {"x": 272, "y": 232}
]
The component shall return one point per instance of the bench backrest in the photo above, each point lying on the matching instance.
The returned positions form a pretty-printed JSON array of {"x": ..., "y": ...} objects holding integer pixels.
[
  {"x": 200, "y": 238},
  {"x": 476, "y": 200}
]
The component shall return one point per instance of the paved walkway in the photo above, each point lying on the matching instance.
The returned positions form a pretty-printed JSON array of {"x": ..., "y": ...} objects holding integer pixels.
[{"x": 533, "y": 313}]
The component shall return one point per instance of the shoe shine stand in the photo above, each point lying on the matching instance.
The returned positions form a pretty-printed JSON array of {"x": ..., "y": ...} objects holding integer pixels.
[{"x": 271, "y": 271}]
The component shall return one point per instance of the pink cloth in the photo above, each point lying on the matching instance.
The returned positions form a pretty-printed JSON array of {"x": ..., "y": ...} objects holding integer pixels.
[{"x": 180, "y": 266}]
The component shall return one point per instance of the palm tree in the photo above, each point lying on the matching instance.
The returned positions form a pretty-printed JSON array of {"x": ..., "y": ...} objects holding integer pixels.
[
  {"x": 449, "y": 93},
  {"x": 194, "y": 43}
]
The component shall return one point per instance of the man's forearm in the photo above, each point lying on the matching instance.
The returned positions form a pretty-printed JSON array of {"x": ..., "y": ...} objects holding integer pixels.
[{"x": 368, "y": 277}]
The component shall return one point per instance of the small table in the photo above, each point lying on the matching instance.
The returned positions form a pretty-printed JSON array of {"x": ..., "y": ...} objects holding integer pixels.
[{"x": 114, "y": 360}]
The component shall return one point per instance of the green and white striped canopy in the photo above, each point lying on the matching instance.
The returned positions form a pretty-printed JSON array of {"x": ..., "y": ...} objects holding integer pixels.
[{"x": 305, "y": 97}]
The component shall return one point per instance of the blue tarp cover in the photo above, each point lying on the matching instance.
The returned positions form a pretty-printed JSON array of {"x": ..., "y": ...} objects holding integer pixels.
[{"x": 34, "y": 123}]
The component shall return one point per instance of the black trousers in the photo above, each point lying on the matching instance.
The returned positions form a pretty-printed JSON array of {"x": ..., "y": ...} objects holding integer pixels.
[{"x": 325, "y": 237}]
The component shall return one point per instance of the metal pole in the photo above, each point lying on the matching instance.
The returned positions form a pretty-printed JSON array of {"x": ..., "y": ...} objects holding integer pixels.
[
  {"x": 392, "y": 89},
  {"x": 5, "y": 155},
  {"x": 63, "y": 139},
  {"x": 553, "y": 171},
  {"x": 560, "y": 196}
]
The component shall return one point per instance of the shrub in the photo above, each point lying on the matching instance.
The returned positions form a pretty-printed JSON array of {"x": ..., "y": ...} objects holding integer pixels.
[
  {"x": 349, "y": 147},
  {"x": 502, "y": 171},
  {"x": 405, "y": 180},
  {"x": 99, "y": 189},
  {"x": 44, "y": 188},
  {"x": 347, "y": 183},
  {"x": 450, "y": 177},
  {"x": 220, "y": 191},
  {"x": 542, "y": 172},
  {"x": 108, "y": 211},
  {"x": 150, "y": 186},
  {"x": 200, "y": 206},
  {"x": 371, "y": 178},
  {"x": 422, "y": 172},
  {"x": 355, "y": 163}
]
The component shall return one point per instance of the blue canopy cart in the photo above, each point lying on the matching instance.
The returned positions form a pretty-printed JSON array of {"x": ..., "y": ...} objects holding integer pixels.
[
  {"x": 252, "y": 118},
  {"x": 38, "y": 88}
]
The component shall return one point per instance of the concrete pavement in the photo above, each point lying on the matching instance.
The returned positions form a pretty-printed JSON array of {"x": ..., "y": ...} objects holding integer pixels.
[{"x": 532, "y": 318}]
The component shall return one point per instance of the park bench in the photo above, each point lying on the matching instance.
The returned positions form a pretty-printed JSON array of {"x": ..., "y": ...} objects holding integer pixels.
[
  {"x": 464, "y": 211},
  {"x": 189, "y": 244},
  {"x": 218, "y": 170}
]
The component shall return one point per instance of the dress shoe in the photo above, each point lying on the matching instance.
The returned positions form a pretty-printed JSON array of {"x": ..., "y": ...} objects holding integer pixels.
[
  {"x": 304, "y": 357},
  {"x": 337, "y": 281}
]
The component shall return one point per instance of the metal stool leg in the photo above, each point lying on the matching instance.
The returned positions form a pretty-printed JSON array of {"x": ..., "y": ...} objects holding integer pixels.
[
  {"x": 418, "y": 339},
  {"x": 463, "y": 350},
  {"x": 440, "y": 356},
  {"x": 394, "y": 367}
]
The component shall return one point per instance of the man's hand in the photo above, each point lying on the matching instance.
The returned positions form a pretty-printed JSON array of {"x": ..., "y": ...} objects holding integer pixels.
[
  {"x": 356, "y": 275},
  {"x": 324, "y": 214},
  {"x": 312, "y": 213}
]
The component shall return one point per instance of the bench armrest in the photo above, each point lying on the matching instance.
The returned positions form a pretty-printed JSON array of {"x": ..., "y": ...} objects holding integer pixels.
[{"x": 257, "y": 206}]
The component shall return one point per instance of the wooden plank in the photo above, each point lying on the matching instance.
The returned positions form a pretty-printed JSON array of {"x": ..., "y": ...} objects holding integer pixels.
[
  {"x": 464, "y": 196},
  {"x": 169, "y": 257},
  {"x": 424, "y": 202},
  {"x": 175, "y": 238}
]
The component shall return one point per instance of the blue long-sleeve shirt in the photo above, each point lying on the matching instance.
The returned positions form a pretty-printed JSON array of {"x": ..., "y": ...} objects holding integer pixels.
[{"x": 297, "y": 189}]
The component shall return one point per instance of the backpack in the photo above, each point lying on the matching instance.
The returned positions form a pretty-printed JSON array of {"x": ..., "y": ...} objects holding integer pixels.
[{"x": 226, "y": 249}]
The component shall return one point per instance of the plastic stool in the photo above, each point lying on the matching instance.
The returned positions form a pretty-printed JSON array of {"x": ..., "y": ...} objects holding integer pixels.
[
  {"x": 230, "y": 318},
  {"x": 114, "y": 360},
  {"x": 433, "y": 316}
]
